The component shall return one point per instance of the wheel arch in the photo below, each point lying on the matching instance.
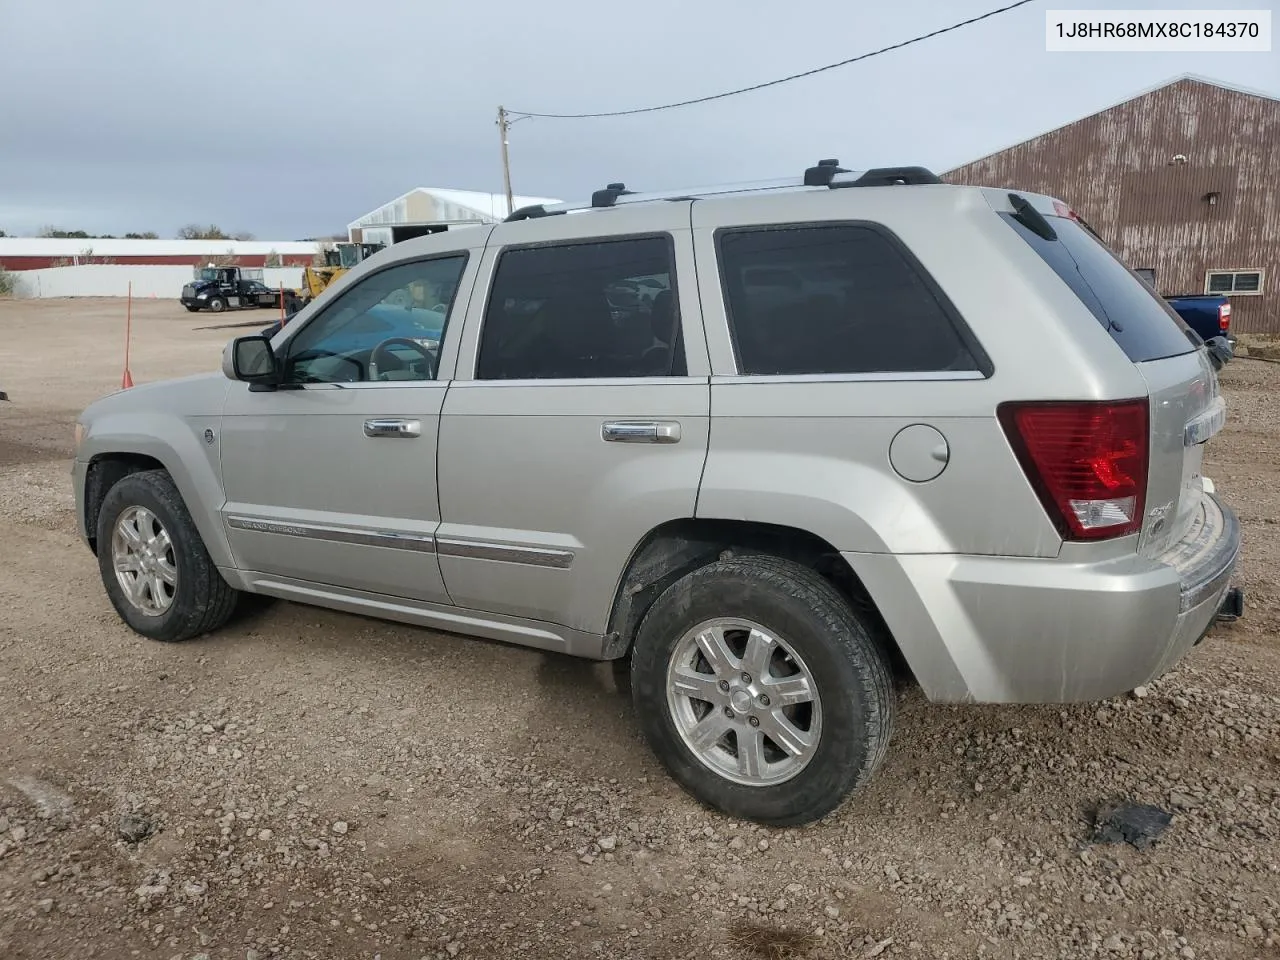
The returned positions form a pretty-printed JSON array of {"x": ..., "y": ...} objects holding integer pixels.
[
  {"x": 677, "y": 547},
  {"x": 192, "y": 473},
  {"x": 104, "y": 472}
]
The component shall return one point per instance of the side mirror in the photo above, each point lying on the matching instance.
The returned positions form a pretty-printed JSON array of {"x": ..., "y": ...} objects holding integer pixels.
[{"x": 251, "y": 360}]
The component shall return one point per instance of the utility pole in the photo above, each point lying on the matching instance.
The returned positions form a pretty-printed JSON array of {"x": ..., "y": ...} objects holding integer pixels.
[{"x": 503, "y": 127}]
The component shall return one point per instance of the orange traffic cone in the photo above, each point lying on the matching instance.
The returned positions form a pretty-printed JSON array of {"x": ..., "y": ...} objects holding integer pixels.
[{"x": 127, "y": 380}]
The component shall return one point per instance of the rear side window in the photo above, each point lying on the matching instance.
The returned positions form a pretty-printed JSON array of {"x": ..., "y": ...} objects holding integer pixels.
[
  {"x": 833, "y": 299},
  {"x": 1140, "y": 322},
  {"x": 583, "y": 311}
]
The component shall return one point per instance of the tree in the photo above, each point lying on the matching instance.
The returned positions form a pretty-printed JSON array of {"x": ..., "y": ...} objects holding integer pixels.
[
  {"x": 146, "y": 235},
  {"x": 243, "y": 236},
  {"x": 3, "y": 234},
  {"x": 193, "y": 231},
  {"x": 57, "y": 233}
]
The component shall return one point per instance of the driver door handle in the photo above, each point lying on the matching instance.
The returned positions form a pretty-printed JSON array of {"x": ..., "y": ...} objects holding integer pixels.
[
  {"x": 392, "y": 429},
  {"x": 641, "y": 431}
]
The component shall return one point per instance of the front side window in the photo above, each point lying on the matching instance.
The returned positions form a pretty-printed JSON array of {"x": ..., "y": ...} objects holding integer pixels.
[
  {"x": 388, "y": 327},
  {"x": 833, "y": 299},
  {"x": 583, "y": 310}
]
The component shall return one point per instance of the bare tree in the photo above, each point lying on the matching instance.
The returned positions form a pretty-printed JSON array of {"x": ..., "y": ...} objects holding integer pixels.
[{"x": 194, "y": 231}]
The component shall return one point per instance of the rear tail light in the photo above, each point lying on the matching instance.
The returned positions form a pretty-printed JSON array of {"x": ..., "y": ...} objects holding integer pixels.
[
  {"x": 1086, "y": 460},
  {"x": 1224, "y": 317}
]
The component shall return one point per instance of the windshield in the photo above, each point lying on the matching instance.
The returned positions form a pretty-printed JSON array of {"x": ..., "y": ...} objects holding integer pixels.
[{"x": 209, "y": 273}]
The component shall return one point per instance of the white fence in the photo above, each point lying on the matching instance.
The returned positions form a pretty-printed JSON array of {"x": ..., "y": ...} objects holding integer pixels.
[{"x": 112, "y": 280}]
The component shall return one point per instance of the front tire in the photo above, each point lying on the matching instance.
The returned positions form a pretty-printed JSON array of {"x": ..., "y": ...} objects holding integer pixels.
[
  {"x": 761, "y": 691},
  {"x": 217, "y": 304},
  {"x": 154, "y": 566},
  {"x": 192, "y": 308}
]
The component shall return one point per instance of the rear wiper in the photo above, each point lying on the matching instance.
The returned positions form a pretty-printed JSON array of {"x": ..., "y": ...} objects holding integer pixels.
[{"x": 1031, "y": 218}]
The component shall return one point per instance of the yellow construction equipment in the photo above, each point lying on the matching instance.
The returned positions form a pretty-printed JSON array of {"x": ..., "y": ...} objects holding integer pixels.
[{"x": 337, "y": 261}]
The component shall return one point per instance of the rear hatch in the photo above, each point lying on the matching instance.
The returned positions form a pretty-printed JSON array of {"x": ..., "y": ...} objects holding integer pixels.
[{"x": 1185, "y": 407}]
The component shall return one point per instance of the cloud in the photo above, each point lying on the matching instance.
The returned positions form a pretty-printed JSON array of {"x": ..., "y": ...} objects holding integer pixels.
[{"x": 292, "y": 118}]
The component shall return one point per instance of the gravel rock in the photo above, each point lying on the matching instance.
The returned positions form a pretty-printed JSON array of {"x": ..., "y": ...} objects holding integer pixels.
[
  {"x": 134, "y": 827},
  {"x": 479, "y": 814}
]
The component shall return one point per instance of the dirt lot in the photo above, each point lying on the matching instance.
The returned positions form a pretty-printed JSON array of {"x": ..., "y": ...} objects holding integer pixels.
[{"x": 310, "y": 784}]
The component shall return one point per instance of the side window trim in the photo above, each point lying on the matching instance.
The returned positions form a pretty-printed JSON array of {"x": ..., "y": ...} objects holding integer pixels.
[
  {"x": 466, "y": 256},
  {"x": 500, "y": 250},
  {"x": 981, "y": 359}
]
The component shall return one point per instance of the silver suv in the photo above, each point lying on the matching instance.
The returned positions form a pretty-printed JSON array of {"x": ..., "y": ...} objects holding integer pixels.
[{"x": 855, "y": 426}]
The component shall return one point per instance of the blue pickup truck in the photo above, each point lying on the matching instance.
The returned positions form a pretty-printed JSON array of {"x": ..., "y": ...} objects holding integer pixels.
[{"x": 1209, "y": 315}]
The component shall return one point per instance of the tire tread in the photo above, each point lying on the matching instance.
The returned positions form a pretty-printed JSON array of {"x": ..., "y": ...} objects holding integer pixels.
[
  {"x": 209, "y": 601},
  {"x": 857, "y": 642}
]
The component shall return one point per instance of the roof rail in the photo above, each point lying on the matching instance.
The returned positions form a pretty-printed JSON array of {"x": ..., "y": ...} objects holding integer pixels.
[
  {"x": 609, "y": 195},
  {"x": 826, "y": 173},
  {"x": 823, "y": 173},
  {"x": 527, "y": 213},
  {"x": 890, "y": 176}
]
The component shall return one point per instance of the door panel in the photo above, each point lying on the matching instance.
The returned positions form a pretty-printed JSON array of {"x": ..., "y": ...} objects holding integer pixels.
[
  {"x": 576, "y": 443},
  {"x": 525, "y": 468},
  {"x": 311, "y": 495},
  {"x": 331, "y": 479}
]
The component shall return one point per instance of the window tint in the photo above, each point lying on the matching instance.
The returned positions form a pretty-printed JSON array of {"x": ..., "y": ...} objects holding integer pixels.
[
  {"x": 583, "y": 310},
  {"x": 833, "y": 299},
  {"x": 388, "y": 326},
  {"x": 1138, "y": 319}
]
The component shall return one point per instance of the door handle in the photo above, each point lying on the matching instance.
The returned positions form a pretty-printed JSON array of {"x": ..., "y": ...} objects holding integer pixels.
[
  {"x": 641, "y": 431},
  {"x": 407, "y": 429}
]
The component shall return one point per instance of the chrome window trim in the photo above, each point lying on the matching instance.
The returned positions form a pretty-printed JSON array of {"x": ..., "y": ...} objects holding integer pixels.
[
  {"x": 580, "y": 382},
  {"x": 879, "y": 376}
]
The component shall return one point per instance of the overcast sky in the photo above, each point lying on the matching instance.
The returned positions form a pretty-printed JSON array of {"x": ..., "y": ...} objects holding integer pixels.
[{"x": 291, "y": 118}]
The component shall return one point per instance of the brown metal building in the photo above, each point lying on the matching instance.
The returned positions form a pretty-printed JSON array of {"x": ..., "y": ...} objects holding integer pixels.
[{"x": 1183, "y": 179}]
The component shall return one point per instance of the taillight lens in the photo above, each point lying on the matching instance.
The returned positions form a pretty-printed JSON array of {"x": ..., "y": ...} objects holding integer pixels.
[
  {"x": 1086, "y": 460},
  {"x": 1224, "y": 317}
]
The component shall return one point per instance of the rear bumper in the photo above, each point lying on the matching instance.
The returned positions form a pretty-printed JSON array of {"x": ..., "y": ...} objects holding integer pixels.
[{"x": 1013, "y": 630}]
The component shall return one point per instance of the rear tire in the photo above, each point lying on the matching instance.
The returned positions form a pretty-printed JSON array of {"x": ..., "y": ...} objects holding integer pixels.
[
  {"x": 154, "y": 566},
  {"x": 795, "y": 662}
]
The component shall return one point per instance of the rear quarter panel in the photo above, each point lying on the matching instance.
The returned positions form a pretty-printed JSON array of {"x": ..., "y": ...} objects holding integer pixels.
[{"x": 814, "y": 452}]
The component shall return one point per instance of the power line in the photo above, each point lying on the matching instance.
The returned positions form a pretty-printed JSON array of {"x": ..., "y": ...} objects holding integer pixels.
[{"x": 521, "y": 114}]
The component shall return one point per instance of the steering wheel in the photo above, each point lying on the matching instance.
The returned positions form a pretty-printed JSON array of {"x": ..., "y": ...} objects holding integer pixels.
[{"x": 376, "y": 353}]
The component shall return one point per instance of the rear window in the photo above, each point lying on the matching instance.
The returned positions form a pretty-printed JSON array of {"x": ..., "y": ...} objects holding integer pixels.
[{"x": 1139, "y": 321}]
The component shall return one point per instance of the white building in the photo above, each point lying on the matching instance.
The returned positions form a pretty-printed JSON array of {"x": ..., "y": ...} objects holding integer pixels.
[{"x": 435, "y": 206}]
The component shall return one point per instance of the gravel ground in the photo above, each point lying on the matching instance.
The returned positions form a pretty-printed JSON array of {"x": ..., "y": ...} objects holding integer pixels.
[{"x": 311, "y": 784}]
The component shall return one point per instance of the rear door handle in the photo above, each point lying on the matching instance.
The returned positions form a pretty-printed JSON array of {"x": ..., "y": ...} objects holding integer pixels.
[
  {"x": 404, "y": 429},
  {"x": 641, "y": 431}
]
